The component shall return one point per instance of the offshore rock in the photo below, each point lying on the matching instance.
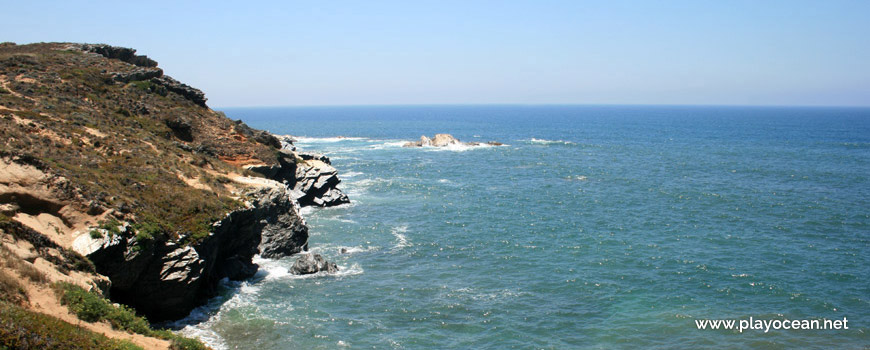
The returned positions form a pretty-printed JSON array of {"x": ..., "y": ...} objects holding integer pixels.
[
  {"x": 445, "y": 140},
  {"x": 308, "y": 264},
  {"x": 440, "y": 140}
]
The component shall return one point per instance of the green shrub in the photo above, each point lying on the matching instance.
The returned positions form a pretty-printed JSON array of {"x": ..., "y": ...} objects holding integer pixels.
[
  {"x": 24, "y": 329},
  {"x": 182, "y": 343},
  {"x": 111, "y": 226},
  {"x": 85, "y": 305},
  {"x": 91, "y": 307},
  {"x": 96, "y": 234}
]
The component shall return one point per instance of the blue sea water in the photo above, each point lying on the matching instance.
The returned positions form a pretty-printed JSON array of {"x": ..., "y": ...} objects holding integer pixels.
[{"x": 594, "y": 227}]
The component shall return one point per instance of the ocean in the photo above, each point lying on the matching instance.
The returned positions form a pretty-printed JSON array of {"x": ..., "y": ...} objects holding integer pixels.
[{"x": 593, "y": 227}]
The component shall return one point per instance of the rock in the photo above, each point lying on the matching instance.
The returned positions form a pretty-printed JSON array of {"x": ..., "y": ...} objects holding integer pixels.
[
  {"x": 181, "y": 128},
  {"x": 260, "y": 136},
  {"x": 236, "y": 268},
  {"x": 424, "y": 141},
  {"x": 172, "y": 85},
  {"x": 317, "y": 180},
  {"x": 308, "y": 264},
  {"x": 120, "y": 53},
  {"x": 443, "y": 140},
  {"x": 284, "y": 233},
  {"x": 165, "y": 280},
  {"x": 314, "y": 156},
  {"x": 287, "y": 142},
  {"x": 137, "y": 74}
]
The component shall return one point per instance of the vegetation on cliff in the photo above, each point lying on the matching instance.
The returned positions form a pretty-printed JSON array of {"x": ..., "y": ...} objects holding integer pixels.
[
  {"x": 96, "y": 141},
  {"x": 151, "y": 155}
]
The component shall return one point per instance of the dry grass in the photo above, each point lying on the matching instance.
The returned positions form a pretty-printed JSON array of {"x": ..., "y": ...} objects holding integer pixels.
[{"x": 11, "y": 290}]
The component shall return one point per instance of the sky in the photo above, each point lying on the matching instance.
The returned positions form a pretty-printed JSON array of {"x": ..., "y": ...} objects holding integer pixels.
[{"x": 334, "y": 52}]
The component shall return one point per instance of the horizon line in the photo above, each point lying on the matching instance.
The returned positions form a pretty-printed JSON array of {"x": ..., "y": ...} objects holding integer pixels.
[{"x": 539, "y": 105}]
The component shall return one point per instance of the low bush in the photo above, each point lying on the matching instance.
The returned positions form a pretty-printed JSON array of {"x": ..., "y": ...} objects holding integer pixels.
[
  {"x": 24, "y": 329},
  {"x": 92, "y": 307}
]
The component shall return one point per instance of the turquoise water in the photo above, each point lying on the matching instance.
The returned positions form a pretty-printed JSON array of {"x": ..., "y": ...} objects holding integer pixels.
[{"x": 596, "y": 227}]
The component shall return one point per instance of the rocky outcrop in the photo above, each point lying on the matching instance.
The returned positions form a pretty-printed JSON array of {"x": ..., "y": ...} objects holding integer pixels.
[
  {"x": 308, "y": 264},
  {"x": 120, "y": 53},
  {"x": 446, "y": 140},
  {"x": 316, "y": 182},
  {"x": 310, "y": 176},
  {"x": 193, "y": 94},
  {"x": 137, "y": 74},
  {"x": 261, "y": 136},
  {"x": 166, "y": 280},
  {"x": 146, "y": 71}
]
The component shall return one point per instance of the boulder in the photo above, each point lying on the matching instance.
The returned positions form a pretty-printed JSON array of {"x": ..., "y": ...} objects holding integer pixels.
[
  {"x": 443, "y": 140},
  {"x": 307, "y": 264}
]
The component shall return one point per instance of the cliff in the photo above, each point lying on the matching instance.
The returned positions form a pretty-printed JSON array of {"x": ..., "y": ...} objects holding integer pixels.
[{"x": 105, "y": 155}]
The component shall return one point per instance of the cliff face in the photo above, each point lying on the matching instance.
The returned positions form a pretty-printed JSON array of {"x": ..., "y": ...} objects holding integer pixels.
[
  {"x": 105, "y": 154},
  {"x": 165, "y": 279}
]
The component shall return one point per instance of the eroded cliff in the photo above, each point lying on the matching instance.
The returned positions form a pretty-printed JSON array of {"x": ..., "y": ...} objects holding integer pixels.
[{"x": 107, "y": 156}]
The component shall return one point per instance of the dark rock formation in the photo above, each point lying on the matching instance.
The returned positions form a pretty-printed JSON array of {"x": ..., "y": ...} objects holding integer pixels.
[
  {"x": 137, "y": 74},
  {"x": 147, "y": 72},
  {"x": 307, "y": 264},
  {"x": 166, "y": 280},
  {"x": 310, "y": 176},
  {"x": 120, "y": 53},
  {"x": 315, "y": 156},
  {"x": 260, "y": 136},
  {"x": 316, "y": 183},
  {"x": 287, "y": 142},
  {"x": 181, "y": 128},
  {"x": 172, "y": 85}
]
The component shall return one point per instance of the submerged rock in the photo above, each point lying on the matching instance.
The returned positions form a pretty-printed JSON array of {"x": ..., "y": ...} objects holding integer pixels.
[{"x": 312, "y": 263}]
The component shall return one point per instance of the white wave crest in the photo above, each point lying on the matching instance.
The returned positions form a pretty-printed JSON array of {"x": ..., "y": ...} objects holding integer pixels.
[
  {"x": 535, "y": 141},
  {"x": 388, "y": 144},
  {"x": 305, "y": 139},
  {"x": 401, "y": 239}
]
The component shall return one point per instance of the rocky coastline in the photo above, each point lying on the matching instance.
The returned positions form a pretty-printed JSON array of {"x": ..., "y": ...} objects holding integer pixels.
[
  {"x": 165, "y": 280},
  {"x": 107, "y": 157}
]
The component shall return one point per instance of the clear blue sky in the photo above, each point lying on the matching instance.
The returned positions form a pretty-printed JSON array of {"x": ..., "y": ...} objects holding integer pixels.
[{"x": 275, "y": 53}]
